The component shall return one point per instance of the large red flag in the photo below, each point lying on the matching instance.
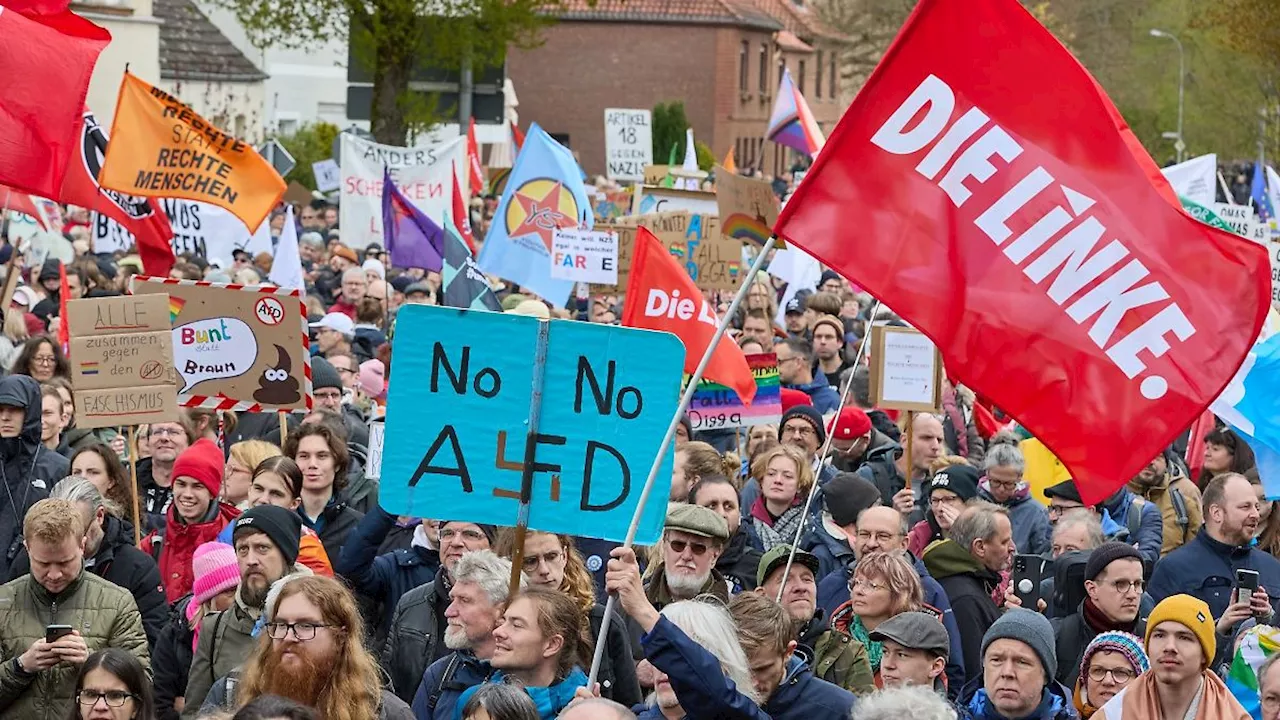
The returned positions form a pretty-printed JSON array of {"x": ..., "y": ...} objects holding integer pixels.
[
  {"x": 461, "y": 217},
  {"x": 475, "y": 173},
  {"x": 46, "y": 58},
  {"x": 140, "y": 216},
  {"x": 991, "y": 194},
  {"x": 21, "y": 202},
  {"x": 662, "y": 296}
]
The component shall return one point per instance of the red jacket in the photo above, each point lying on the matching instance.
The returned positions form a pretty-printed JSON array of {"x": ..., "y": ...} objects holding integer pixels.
[
  {"x": 344, "y": 307},
  {"x": 178, "y": 545}
]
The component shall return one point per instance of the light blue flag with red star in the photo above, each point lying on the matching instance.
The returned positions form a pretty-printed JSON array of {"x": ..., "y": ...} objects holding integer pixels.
[{"x": 544, "y": 192}]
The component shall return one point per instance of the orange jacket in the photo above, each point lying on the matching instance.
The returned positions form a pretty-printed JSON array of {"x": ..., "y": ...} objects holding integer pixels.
[{"x": 311, "y": 553}]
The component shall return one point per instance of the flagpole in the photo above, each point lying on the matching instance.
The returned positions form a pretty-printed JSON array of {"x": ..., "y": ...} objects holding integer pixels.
[{"x": 685, "y": 398}]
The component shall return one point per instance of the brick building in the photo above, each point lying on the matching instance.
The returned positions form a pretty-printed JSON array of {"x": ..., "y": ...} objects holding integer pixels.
[{"x": 721, "y": 58}]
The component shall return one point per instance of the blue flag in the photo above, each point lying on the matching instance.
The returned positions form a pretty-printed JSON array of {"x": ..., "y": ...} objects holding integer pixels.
[
  {"x": 1250, "y": 405},
  {"x": 1261, "y": 199},
  {"x": 412, "y": 240},
  {"x": 462, "y": 285},
  {"x": 544, "y": 192}
]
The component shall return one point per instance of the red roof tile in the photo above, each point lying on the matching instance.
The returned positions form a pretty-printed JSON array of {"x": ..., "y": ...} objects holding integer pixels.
[{"x": 740, "y": 13}]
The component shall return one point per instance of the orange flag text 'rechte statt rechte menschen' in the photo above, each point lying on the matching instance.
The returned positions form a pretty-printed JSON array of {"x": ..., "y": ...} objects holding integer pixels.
[{"x": 161, "y": 148}]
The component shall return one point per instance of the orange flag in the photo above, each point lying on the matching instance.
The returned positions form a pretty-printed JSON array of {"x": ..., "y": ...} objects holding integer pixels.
[
  {"x": 728, "y": 163},
  {"x": 161, "y": 148}
]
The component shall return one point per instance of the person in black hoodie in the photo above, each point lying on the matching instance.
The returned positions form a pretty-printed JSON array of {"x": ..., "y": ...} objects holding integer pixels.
[
  {"x": 741, "y": 556},
  {"x": 27, "y": 468}
]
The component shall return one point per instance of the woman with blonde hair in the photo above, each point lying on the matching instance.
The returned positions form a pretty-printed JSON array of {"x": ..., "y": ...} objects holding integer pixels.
[
  {"x": 785, "y": 478},
  {"x": 553, "y": 562},
  {"x": 883, "y": 585},
  {"x": 14, "y": 335},
  {"x": 243, "y": 457}
]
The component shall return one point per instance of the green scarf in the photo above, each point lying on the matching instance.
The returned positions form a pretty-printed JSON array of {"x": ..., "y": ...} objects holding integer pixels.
[{"x": 874, "y": 648}]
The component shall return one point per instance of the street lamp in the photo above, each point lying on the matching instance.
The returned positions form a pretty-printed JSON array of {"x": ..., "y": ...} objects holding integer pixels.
[{"x": 1180, "y": 146}]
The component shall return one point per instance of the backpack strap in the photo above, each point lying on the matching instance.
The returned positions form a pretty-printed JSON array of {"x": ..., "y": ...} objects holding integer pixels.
[
  {"x": 448, "y": 674},
  {"x": 1135, "y": 517},
  {"x": 1179, "y": 508},
  {"x": 213, "y": 648}
]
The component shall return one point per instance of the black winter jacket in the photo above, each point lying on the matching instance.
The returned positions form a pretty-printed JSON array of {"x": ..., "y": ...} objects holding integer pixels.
[
  {"x": 27, "y": 468},
  {"x": 738, "y": 562},
  {"x": 171, "y": 660},
  {"x": 618, "y": 680},
  {"x": 969, "y": 586},
  {"x": 1072, "y": 634},
  {"x": 415, "y": 638},
  {"x": 336, "y": 521}
]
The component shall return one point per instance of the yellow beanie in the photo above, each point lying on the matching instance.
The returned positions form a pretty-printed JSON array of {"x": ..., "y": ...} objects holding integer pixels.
[{"x": 1189, "y": 611}]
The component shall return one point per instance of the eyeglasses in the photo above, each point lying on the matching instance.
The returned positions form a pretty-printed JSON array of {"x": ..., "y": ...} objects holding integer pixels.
[
  {"x": 1059, "y": 509},
  {"x": 1124, "y": 586},
  {"x": 1003, "y": 484},
  {"x": 467, "y": 535},
  {"x": 679, "y": 546},
  {"x": 344, "y": 370},
  {"x": 856, "y": 583},
  {"x": 552, "y": 558},
  {"x": 1118, "y": 675},
  {"x": 801, "y": 430},
  {"x": 882, "y": 537},
  {"x": 328, "y": 396},
  {"x": 166, "y": 432},
  {"x": 303, "y": 631},
  {"x": 114, "y": 698},
  {"x": 44, "y": 360}
]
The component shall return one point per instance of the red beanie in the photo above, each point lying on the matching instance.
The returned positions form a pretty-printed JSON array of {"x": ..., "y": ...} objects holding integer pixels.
[
  {"x": 202, "y": 461},
  {"x": 792, "y": 398}
]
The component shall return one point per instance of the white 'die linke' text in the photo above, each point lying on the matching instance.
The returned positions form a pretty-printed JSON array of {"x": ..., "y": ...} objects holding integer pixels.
[
  {"x": 660, "y": 304},
  {"x": 1111, "y": 299}
]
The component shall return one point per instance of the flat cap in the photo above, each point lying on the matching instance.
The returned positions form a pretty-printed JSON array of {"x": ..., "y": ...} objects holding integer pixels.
[{"x": 696, "y": 520}]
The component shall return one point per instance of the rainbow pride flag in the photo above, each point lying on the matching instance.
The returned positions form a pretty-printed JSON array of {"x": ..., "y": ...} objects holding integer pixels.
[
  {"x": 791, "y": 123},
  {"x": 1259, "y": 643},
  {"x": 175, "y": 307},
  {"x": 88, "y": 368},
  {"x": 717, "y": 406}
]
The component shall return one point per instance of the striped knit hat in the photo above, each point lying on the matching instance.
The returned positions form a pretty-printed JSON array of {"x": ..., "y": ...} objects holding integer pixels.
[
  {"x": 1130, "y": 646},
  {"x": 216, "y": 571}
]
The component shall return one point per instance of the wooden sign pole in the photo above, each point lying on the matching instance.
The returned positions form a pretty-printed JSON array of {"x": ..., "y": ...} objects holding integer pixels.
[
  {"x": 530, "y": 446},
  {"x": 133, "y": 481},
  {"x": 910, "y": 431},
  {"x": 284, "y": 428}
]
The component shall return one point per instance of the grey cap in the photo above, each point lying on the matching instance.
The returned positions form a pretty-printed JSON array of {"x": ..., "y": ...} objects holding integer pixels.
[
  {"x": 915, "y": 630},
  {"x": 418, "y": 287},
  {"x": 1030, "y": 628},
  {"x": 696, "y": 520}
]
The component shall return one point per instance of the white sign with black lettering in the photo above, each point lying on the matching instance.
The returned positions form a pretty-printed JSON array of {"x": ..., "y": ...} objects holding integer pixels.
[
  {"x": 328, "y": 175},
  {"x": 377, "y": 434},
  {"x": 628, "y": 143},
  {"x": 1242, "y": 221},
  {"x": 587, "y": 256},
  {"x": 199, "y": 229},
  {"x": 1274, "y": 250}
]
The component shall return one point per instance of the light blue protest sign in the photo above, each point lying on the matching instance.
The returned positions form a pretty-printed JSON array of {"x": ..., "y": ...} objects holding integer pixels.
[{"x": 458, "y": 421}]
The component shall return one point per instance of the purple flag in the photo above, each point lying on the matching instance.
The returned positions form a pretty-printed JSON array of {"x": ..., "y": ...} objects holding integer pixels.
[{"x": 411, "y": 238}]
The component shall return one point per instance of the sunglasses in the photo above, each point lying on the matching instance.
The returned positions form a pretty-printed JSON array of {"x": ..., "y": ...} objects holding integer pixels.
[{"x": 679, "y": 546}]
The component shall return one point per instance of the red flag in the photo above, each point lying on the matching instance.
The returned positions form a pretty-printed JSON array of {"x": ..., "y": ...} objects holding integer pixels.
[
  {"x": 662, "y": 296},
  {"x": 1032, "y": 240},
  {"x": 21, "y": 202},
  {"x": 462, "y": 218},
  {"x": 64, "y": 294},
  {"x": 140, "y": 216},
  {"x": 1200, "y": 429},
  {"x": 517, "y": 137},
  {"x": 48, "y": 54},
  {"x": 476, "y": 174}
]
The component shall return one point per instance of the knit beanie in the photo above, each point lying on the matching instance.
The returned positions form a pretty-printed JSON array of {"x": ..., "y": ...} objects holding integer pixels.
[
  {"x": 202, "y": 461},
  {"x": 807, "y": 413},
  {"x": 1130, "y": 646},
  {"x": 1106, "y": 554},
  {"x": 284, "y": 528},
  {"x": 959, "y": 479},
  {"x": 791, "y": 398},
  {"x": 847, "y": 495},
  {"x": 324, "y": 375},
  {"x": 836, "y": 325},
  {"x": 216, "y": 570},
  {"x": 1031, "y": 628},
  {"x": 490, "y": 531},
  {"x": 1191, "y": 612}
]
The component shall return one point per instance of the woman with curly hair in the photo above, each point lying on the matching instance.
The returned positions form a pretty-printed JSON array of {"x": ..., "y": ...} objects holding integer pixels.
[
  {"x": 883, "y": 585},
  {"x": 553, "y": 562}
]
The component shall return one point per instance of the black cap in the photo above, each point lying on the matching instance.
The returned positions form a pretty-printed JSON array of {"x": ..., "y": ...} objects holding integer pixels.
[
  {"x": 795, "y": 306},
  {"x": 1066, "y": 490},
  {"x": 241, "y": 254},
  {"x": 959, "y": 479},
  {"x": 916, "y": 631},
  {"x": 1106, "y": 554},
  {"x": 283, "y": 527},
  {"x": 847, "y": 495}
]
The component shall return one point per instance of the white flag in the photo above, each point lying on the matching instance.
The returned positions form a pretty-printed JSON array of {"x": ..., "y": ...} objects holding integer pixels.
[
  {"x": 1195, "y": 179},
  {"x": 286, "y": 268}
]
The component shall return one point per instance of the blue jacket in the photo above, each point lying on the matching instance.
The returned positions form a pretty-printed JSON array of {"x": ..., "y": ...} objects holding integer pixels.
[
  {"x": 383, "y": 577},
  {"x": 445, "y": 679},
  {"x": 833, "y": 591},
  {"x": 1029, "y": 518},
  {"x": 1055, "y": 704},
  {"x": 833, "y": 553},
  {"x": 801, "y": 696},
  {"x": 1207, "y": 568},
  {"x": 825, "y": 398},
  {"x": 1150, "y": 537},
  {"x": 549, "y": 700},
  {"x": 695, "y": 677}
]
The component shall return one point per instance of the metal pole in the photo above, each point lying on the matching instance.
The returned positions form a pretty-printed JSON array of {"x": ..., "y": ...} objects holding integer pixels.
[
  {"x": 1182, "y": 80},
  {"x": 687, "y": 396}
]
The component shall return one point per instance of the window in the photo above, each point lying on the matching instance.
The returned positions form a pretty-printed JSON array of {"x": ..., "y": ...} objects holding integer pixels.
[
  {"x": 831, "y": 76},
  {"x": 742, "y": 66},
  {"x": 817, "y": 77},
  {"x": 764, "y": 68},
  {"x": 782, "y": 67},
  {"x": 800, "y": 77}
]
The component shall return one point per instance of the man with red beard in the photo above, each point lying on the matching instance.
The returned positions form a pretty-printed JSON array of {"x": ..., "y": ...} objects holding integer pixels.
[{"x": 311, "y": 651}]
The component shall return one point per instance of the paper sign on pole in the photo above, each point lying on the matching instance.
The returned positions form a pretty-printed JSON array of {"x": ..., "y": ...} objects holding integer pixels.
[
  {"x": 628, "y": 143},
  {"x": 237, "y": 347},
  {"x": 589, "y": 256},
  {"x": 327, "y": 174},
  {"x": 421, "y": 174},
  {"x": 748, "y": 208},
  {"x": 658, "y": 199},
  {"x": 906, "y": 370},
  {"x": 711, "y": 259},
  {"x": 716, "y": 406},
  {"x": 456, "y": 437},
  {"x": 377, "y": 439},
  {"x": 121, "y": 360}
]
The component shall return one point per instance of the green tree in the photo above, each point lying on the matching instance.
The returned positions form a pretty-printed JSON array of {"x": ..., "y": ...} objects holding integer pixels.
[
  {"x": 309, "y": 144},
  {"x": 402, "y": 35},
  {"x": 669, "y": 125}
]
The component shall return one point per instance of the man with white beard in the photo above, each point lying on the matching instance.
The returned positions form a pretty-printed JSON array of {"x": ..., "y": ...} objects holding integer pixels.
[
  {"x": 481, "y": 580},
  {"x": 692, "y": 541}
]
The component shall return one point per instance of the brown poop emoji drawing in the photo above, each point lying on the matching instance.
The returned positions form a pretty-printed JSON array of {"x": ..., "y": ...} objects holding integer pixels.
[{"x": 276, "y": 387}]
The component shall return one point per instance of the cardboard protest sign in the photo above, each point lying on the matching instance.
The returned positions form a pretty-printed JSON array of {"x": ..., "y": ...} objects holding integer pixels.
[
  {"x": 457, "y": 437},
  {"x": 236, "y": 347},
  {"x": 584, "y": 255},
  {"x": 611, "y": 204},
  {"x": 198, "y": 229},
  {"x": 657, "y": 199},
  {"x": 906, "y": 370},
  {"x": 423, "y": 175},
  {"x": 161, "y": 148},
  {"x": 711, "y": 259},
  {"x": 716, "y": 406},
  {"x": 655, "y": 174},
  {"x": 121, "y": 360},
  {"x": 628, "y": 143},
  {"x": 1241, "y": 221},
  {"x": 747, "y": 206}
]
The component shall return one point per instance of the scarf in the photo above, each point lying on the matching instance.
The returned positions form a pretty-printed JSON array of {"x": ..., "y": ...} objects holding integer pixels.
[
  {"x": 1099, "y": 622},
  {"x": 549, "y": 700},
  {"x": 1085, "y": 709},
  {"x": 875, "y": 649},
  {"x": 781, "y": 531},
  {"x": 1141, "y": 700}
]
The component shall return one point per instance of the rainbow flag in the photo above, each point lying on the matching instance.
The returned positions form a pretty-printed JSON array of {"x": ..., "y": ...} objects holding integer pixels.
[
  {"x": 717, "y": 406},
  {"x": 1259, "y": 643},
  {"x": 791, "y": 123},
  {"x": 88, "y": 368},
  {"x": 175, "y": 307}
]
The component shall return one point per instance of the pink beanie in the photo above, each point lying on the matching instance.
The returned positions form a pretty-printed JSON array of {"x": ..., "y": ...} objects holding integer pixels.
[
  {"x": 373, "y": 379},
  {"x": 216, "y": 571}
]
